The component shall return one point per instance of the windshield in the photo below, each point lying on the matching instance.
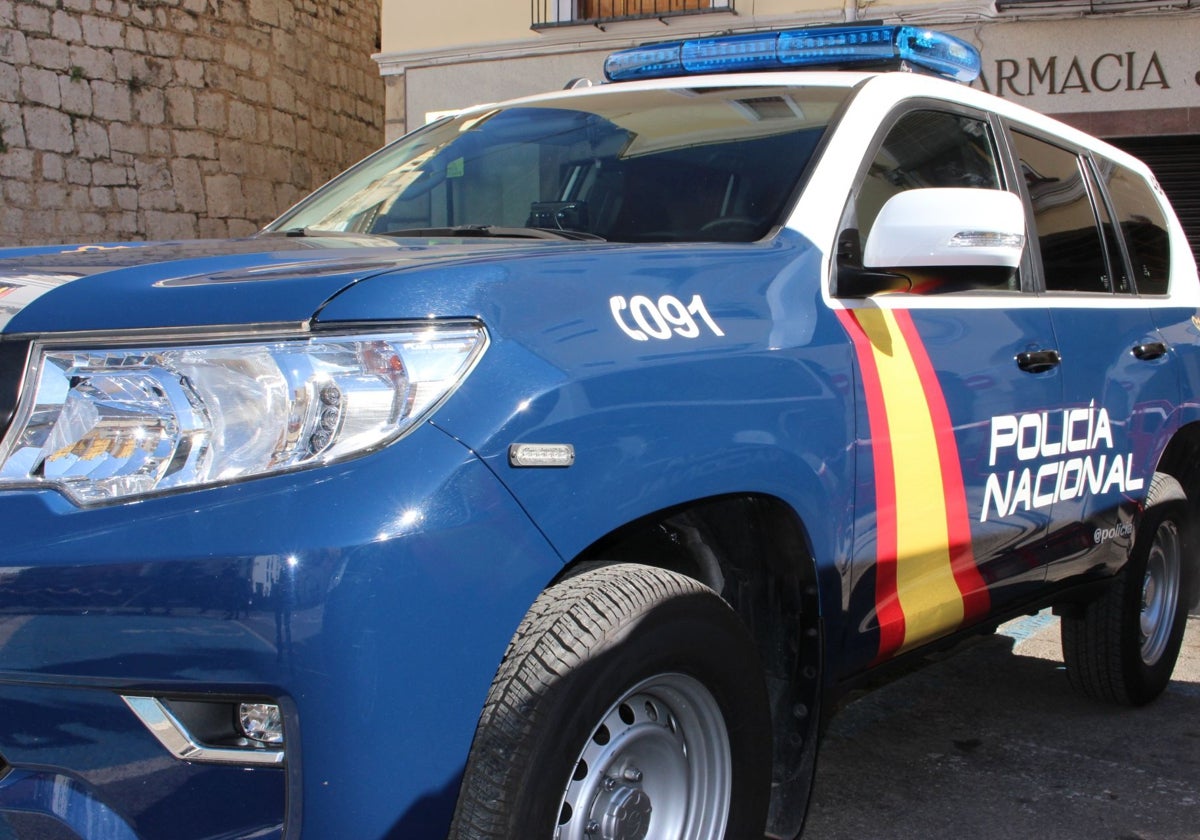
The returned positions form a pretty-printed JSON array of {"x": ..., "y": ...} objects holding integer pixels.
[{"x": 716, "y": 164}]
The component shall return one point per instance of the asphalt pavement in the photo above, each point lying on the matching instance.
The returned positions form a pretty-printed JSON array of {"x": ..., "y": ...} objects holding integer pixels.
[{"x": 990, "y": 742}]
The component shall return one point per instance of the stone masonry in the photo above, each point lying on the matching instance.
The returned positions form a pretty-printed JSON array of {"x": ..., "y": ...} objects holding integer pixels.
[{"x": 164, "y": 119}]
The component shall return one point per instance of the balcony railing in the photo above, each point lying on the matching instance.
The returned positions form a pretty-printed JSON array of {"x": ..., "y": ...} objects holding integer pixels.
[
  {"x": 548, "y": 13},
  {"x": 1091, "y": 6}
]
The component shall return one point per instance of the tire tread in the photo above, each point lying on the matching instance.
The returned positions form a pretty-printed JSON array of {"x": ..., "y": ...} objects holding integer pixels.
[
  {"x": 1100, "y": 646},
  {"x": 566, "y": 626}
]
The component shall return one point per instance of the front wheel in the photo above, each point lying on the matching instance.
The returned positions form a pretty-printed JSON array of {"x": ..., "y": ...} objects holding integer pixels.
[
  {"x": 1124, "y": 645},
  {"x": 629, "y": 705}
]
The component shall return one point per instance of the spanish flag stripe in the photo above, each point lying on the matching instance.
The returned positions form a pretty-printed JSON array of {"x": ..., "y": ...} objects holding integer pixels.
[
  {"x": 962, "y": 558},
  {"x": 891, "y": 617},
  {"x": 921, "y": 569}
]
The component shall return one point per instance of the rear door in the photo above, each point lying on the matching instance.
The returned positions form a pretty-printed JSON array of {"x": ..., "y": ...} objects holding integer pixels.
[{"x": 1102, "y": 262}]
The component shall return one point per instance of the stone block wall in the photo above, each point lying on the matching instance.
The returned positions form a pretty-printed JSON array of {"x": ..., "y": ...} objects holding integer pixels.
[{"x": 161, "y": 119}]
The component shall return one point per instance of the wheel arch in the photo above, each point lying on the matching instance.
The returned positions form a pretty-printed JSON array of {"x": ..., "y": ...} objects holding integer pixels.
[
  {"x": 754, "y": 551},
  {"x": 1181, "y": 460}
]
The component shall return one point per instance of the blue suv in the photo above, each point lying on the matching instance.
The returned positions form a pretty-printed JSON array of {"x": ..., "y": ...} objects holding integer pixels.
[{"x": 550, "y": 473}]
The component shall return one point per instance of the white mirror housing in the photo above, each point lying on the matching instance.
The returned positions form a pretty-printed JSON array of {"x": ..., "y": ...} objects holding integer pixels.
[{"x": 952, "y": 226}]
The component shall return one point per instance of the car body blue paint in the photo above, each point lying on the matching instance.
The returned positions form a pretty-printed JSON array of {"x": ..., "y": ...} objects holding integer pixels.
[
  {"x": 761, "y": 410},
  {"x": 1179, "y": 329},
  {"x": 264, "y": 279},
  {"x": 188, "y": 594},
  {"x": 90, "y": 767},
  {"x": 759, "y": 405}
]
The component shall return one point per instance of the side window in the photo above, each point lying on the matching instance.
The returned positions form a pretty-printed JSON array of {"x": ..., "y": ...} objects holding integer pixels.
[
  {"x": 1141, "y": 220},
  {"x": 926, "y": 148},
  {"x": 1069, "y": 237}
]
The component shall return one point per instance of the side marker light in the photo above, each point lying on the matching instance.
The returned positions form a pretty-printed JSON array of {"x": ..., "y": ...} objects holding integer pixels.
[{"x": 541, "y": 455}]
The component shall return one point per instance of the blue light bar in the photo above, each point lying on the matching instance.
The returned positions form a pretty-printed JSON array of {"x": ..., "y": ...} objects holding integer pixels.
[
  {"x": 655, "y": 61},
  {"x": 790, "y": 49},
  {"x": 732, "y": 53}
]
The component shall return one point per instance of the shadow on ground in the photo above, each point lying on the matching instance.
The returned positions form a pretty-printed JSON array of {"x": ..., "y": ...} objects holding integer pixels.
[{"x": 991, "y": 742}]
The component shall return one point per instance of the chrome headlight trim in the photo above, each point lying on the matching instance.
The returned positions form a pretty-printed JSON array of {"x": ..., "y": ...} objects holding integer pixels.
[{"x": 115, "y": 417}]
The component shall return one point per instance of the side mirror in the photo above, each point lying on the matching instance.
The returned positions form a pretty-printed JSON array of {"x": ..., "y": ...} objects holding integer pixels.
[{"x": 952, "y": 226}]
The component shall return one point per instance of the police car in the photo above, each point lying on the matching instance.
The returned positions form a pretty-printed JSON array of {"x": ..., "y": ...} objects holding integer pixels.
[{"x": 551, "y": 473}]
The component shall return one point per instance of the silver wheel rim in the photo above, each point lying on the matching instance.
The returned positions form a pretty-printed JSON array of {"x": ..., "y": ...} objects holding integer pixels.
[
  {"x": 1160, "y": 592},
  {"x": 656, "y": 766}
]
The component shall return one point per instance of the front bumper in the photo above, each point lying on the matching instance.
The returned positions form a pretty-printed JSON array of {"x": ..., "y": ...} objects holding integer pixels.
[{"x": 372, "y": 600}]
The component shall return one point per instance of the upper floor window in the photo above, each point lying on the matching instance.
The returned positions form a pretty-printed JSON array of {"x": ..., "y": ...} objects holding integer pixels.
[{"x": 560, "y": 12}]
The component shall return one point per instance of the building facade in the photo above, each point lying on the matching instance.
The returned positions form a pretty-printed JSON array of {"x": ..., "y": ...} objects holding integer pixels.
[
  {"x": 164, "y": 119},
  {"x": 1125, "y": 71}
]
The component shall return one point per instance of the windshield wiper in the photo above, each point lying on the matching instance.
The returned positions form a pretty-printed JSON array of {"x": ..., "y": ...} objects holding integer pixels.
[
  {"x": 498, "y": 232},
  {"x": 313, "y": 232},
  {"x": 483, "y": 231}
]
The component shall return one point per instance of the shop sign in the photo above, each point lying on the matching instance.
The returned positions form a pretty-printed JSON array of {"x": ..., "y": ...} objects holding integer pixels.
[{"x": 1093, "y": 65}]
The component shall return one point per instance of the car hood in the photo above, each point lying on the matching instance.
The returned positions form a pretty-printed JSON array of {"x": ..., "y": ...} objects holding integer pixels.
[{"x": 271, "y": 279}]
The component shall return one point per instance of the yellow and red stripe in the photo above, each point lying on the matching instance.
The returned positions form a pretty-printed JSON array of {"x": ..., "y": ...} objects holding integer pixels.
[{"x": 926, "y": 580}]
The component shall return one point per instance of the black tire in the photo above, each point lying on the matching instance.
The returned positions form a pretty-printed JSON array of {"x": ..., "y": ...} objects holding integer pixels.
[
  {"x": 630, "y": 698},
  {"x": 1122, "y": 648}
]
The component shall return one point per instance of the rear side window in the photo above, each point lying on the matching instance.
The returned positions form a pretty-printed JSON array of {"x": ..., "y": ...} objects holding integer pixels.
[
  {"x": 1143, "y": 224},
  {"x": 1069, "y": 238}
]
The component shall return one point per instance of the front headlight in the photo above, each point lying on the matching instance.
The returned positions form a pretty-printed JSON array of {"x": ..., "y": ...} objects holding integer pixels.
[{"x": 106, "y": 423}]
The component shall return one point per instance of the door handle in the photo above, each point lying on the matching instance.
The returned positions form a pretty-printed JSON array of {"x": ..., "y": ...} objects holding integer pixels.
[
  {"x": 1150, "y": 350},
  {"x": 1038, "y": 361}
]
